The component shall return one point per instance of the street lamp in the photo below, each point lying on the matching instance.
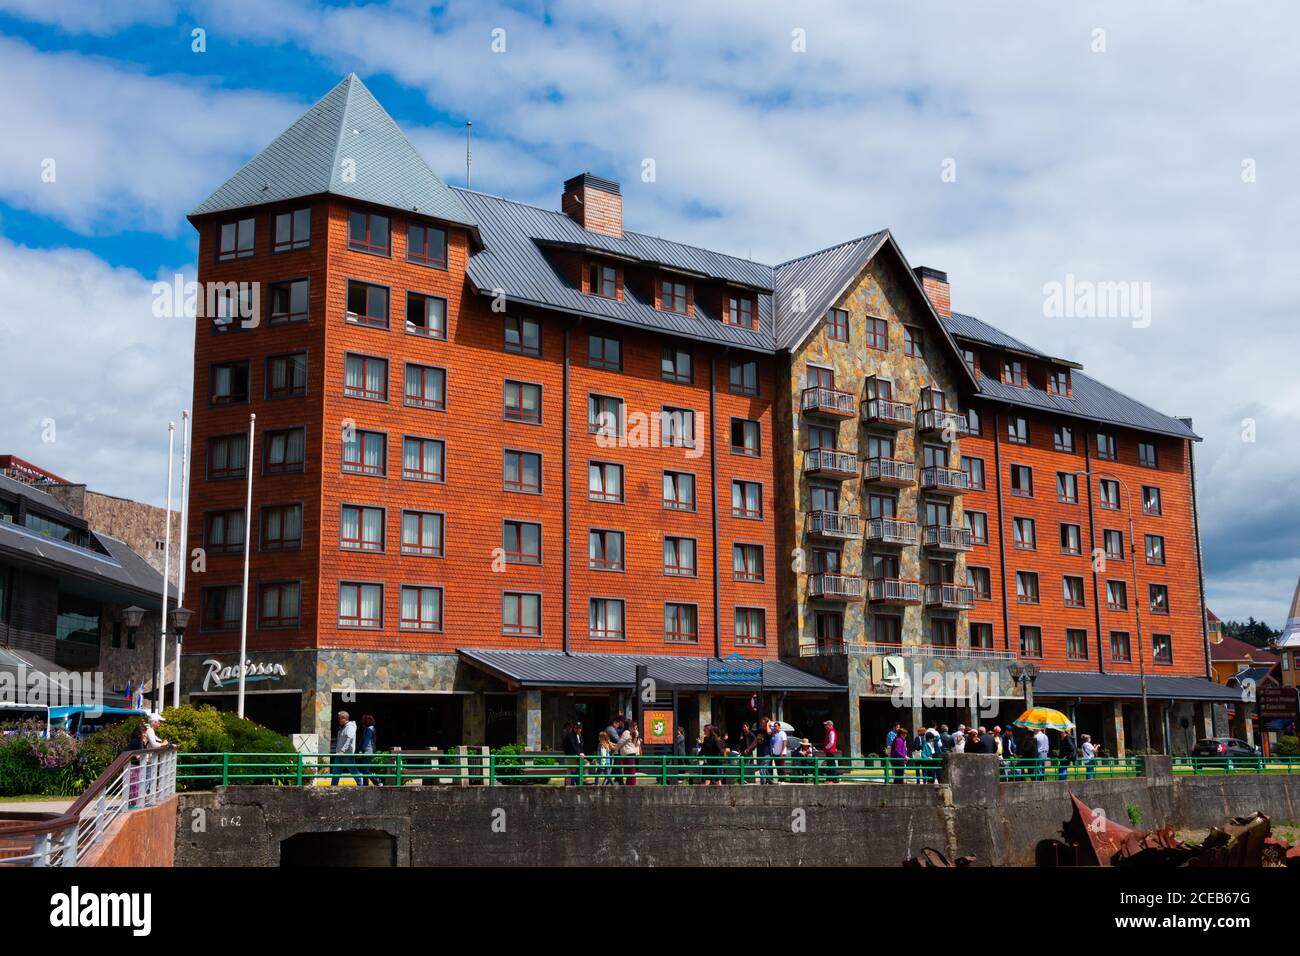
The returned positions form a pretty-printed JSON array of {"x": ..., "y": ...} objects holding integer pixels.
[
  {"x": 1137, "y": 598},
  {"x": 131, "y": 618},
  {"x": 178, "y": 619},
  {"x": 1025, "y": 675}
]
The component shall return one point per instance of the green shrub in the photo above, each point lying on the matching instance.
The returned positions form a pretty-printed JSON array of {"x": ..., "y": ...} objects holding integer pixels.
[
  {"x": 1288, "y": 747},
  {"x": 510, "y": 765},
  {"x": 195, "y": 729}
]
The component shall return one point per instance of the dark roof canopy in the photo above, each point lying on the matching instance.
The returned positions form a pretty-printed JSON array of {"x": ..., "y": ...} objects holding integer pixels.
[{"x": 1159, "y": 686}]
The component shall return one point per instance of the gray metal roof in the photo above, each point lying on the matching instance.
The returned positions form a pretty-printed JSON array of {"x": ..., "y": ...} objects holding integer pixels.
[
  {"x": 971, "y": 328},
  {"x": 346, "y": 145},
  {"x": 558, "y": 669},
  {"x": 35, "y": 494},
  {"x": 121, "y": 573},
  {"x": 806, "y": 287},
  {"x": 1159, "y": 686}
]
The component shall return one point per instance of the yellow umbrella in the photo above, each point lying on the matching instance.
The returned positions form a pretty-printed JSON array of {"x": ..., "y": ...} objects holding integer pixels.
[{"x": 1044, "y": 718}]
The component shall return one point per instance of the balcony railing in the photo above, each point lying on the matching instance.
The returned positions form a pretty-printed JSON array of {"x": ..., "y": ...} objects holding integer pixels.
[
  {"x": 951, "y": 480},
  {"x": 894, "y": 591},
  {"x": 941, "y": 421},
  {"x": 827, "y": 648},
  {"x": 835, "y": 587},
  {"x": 956, "y": 597},
  {"x": 891, "y": 531},
  {"x": 833, "y": 524},
  {"x": 886, "y": 414},
  {"x": 948, "y": 537},
  {"x": 830, "y": 402},
  {"x": 889, "y": 471},
  {"x": 830, "y": 463}
]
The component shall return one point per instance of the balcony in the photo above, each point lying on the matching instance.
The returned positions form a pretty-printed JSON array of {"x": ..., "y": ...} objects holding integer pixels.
[
  {"x": 841, "y": 525},
  {"x": 926, "y": 650},
  {"x": 889, "y": 472},
  {"x": 893, "y": 591},
  {"x": 884, "y": 414},
  {"x": 950, "y": 597},
  {"x": 891, "y": 531},
  {"x": 951, "y": 481},
  {"x": 830, "y": 463},
  {"x": 835, "y": 587},
  {"x": 828, "y": 403},
  {"x": 940, "y": 422},
  {"x": 947, "y": 537}
]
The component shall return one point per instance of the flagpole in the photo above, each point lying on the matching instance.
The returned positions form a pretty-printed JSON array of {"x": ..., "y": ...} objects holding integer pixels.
[
  {"x": 185, "y": 547},
  {"x": 158, "y": 699},
  {"x": 248, "y": 530}
]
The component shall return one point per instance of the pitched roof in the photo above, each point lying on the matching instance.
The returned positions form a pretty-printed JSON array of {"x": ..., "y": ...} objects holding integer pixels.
[
  {"x": 1291, "y": 633},
  {"x": 345, "y": 145},
  {"x": 1234, "y": 649},
  {"x": 120, "y": 572},
  {"x": 806, "y": 287},
  {"x": 1255, "y": 674}
]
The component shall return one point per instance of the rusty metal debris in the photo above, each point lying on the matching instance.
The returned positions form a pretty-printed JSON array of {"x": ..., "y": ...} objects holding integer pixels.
[{"x": 932, "y": 857}]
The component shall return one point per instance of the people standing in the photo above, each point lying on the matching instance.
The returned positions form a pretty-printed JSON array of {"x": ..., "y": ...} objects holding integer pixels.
[
  {"x": 572, "y": 745},
  {"x": 898, "y": 751},
  {"x": 605, "y": 757},
  {"x": 711, "y": 752},
  {"x": 1089, "y": 755},
  {"x": 345, "y": 750},
  {"x": 629, "y": 748},
  {"x": 959, "y": 739},
  {"x": 780, "y": 747},
  {"x": 945, "y": 739},
  {"x": 366, "y": 750},
  {"x": 1067, "y": 751},
  {"x": 830, "y": 747}
]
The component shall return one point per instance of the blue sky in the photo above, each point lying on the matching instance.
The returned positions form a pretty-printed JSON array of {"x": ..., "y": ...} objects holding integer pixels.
[{"x": 1105, "y": 141}]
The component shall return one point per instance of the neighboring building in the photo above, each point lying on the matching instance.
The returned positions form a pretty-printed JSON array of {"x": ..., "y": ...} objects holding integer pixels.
[
  {"x": 1229, "y": 655},
  {"x": 1288, "y": 645},
  {"x": 817, "y": 466}
]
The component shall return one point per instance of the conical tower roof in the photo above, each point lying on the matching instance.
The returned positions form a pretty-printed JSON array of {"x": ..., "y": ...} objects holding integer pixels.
[{"x": 1291, "y": 633}]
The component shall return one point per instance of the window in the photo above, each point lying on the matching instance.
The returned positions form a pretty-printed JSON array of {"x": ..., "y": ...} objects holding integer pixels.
[
  {"x": 1026, "y": 587},
  {"x": 281, "y": 527},
  {"x": 977, "y": 523},
  {"x": 229, "y": 383},
  {"x": 1119, "y": 647},
  {"x": 943, "y": 632},
  {"x": 1022, "y": 481},
  {"x": 1071, "y": 539},
  {"x": 605, "y": 550},
  {"x": 522, "y": 402},
  {"x": 522, "y": 542},
  {"x": 1072, "y": 591},
  {"x": 421, "y": 609},
  {"x": 837, "y": 325},
  {"x": 747, "y": 562},
  {"x": 368, "y": 232},
  {"x": 1116, "y": 596},
  {"x": 286, "y": 375},
  {"x": 292, "y": 230},
  {"x": 605, "y": 619},
  {"x": 1107, "y": 449},
  {"x": 1063, "y": 438},
  {"x": 1058, "y": 381},
  {"x": 227, "y": 456},
  {"x": 523, "y": 335},
  {"x": 750, "y": 628},
  {"x": 830, "y": 629},
  {"x": 289, "y": 301},
  {"x": 679, "y": 557},
  {"x": 1147, "y": 457},
  {"x": 745, "y": 438},
  {"x": 877, "y": 331},
  {"x": 675, "y": 365},
  {"x": 1031, "y": 641},
  {"x": 361, "y": 605},
  {"x": 743, "y": 378},
  {"x": 1155, "y": 549},
  {"x": 426, "y": 245},
  {"x": 365, "y": 376},
  {"x": 740, "y": 310},
  {"x": 235, "y": 307},
  {"x": 422, "y": 533},
  {"x": 523, "y": 472},
  {"x": 974, "y": 423},
  {"x": 365, "y": 453},
  {"x": 1067, "y": 488},
  {"x": 236, "y": 240},
  {"x": 672, "y": 296},
  {"x": 1109, "y": 494},
  {"x": 422, "y": 459},
  {"x": 521, "y": 614},
  {"x": 223, "y": 531},
  {"x": 285, "y": 451},
  {"x": 1113, "y": 543},
  {"x": 361, "y": 529},
  {"x": 1025, "y": 537},
  {"x": 980, "y": 581},
  {"x": 746, "y": 499},
  {"x": 277, "y": 605},
  {"x": 1151, "y": 500},
  {"x": 1159, "y": 595},
  {"x": 605, "y": 481},
  {"x": 603, "y": 280},
  {"x": 605, "y": 416},
  {"x": 887, "y": 629},
  {"x": 1162, "y": 648},
  {"x": 426, "y": 315},
  {"x": 679, "y": 491},
  {"x": 981, "y": 636},
  {"x": 677, "y": 427},
  {"x": 367, "y": 305},
  {"x": 912, "y": 341},
  {"x": 222, "y": 608},
  {"x": 968, "y": 357},
  {"x": 1017, "y": 430},
  {"x": 605, "y": 351},
  {"x": 1013, "y": 373},
  {"x": 680, "y": 624},
  {"x": 425, "y": 386},
  {"x": 973, "y": 469},
  {"x": 1076, "y": 644}
]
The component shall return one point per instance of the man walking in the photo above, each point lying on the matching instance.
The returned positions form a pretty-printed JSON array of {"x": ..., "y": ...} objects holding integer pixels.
[
  {"x": 1067, "y": 753},
  {"x": 345, "y": 749}
]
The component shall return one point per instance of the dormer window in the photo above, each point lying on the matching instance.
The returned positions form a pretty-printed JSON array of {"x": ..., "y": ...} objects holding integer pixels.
[
  {"x": 1058, "y": 382},
  {"x": 740, "y": 310},
  {"x": 603, "y": 280},
  {"x": 1013, "y": 373},
  {"x": 672, "y": 296}
]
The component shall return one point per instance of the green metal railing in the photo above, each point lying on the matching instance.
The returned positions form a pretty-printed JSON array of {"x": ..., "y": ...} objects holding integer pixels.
[
  {"x": 1051, "y": 768},
  {"x": 1226, "y": 765}
]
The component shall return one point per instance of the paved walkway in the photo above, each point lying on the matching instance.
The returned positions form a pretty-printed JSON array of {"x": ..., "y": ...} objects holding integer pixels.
[{"x": 34, "y": 806}]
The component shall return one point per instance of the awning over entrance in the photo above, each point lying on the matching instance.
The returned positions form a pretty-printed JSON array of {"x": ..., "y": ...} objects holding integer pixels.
[
  {"x": 1161, "y": 686},
  {"x": 618, "y": 671}
]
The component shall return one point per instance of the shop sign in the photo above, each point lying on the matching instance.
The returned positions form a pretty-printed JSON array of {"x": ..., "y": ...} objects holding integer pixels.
[{"x": 219, "y": 675}]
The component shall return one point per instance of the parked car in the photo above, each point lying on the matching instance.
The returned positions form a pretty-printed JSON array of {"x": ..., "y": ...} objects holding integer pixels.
[{"x": 1224, "y": 747}]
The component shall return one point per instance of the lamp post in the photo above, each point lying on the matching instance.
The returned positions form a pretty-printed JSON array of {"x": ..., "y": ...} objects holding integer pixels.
[
  {"x": 178, "y": 619},
  {"x": 1025, "y": 675},
  {"x": 131, "y": 618}
]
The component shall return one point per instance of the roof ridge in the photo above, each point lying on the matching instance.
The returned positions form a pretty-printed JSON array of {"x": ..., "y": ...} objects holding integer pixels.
[
  {"x": 835, "y": 245},
  {"x": 343, "y": 122},
  {"x": 1022, "y": 342}
]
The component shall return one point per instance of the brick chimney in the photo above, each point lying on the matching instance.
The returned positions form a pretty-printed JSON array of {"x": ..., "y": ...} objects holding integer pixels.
[
  {"x": 935, "y": 284},
  {"x": 594, "y": 203}
]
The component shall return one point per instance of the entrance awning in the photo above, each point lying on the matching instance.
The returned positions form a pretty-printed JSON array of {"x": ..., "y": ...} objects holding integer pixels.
[
  {"x": 1159, "y": 686},
  {"x": 618, "y": 671}
]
